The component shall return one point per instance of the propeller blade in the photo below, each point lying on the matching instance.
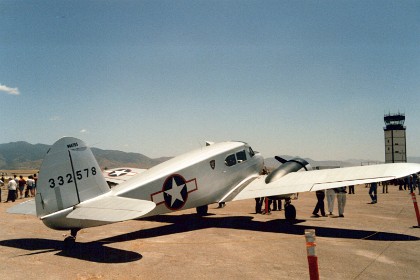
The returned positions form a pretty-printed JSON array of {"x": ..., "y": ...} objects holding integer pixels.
[{"x": 282, "y": 160}]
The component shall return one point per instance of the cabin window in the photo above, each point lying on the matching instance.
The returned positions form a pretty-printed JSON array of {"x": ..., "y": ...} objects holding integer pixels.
[
  {"x": 230, "y": 160},
  {"x": 241, "y": 156}
]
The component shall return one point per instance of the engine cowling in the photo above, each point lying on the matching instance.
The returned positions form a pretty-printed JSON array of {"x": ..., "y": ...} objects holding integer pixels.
[{"x": 287, "y": 167}]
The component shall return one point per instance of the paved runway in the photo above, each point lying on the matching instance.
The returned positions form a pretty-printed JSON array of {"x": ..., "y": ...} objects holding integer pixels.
[{"x": 371, "y": 242}]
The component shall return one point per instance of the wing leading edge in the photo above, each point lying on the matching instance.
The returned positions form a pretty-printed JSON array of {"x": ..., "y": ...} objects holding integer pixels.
[{"x": 326, "y": 179}]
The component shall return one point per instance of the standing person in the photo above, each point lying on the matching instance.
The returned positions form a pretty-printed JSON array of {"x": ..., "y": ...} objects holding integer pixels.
[
  {"x": 17, "y": 184},
  {"x": 341, "y": 200},
  {"x": 373, "y": 192},
  {"x": 330, "y": 200},
  {"x": 258, "y": 205},
  {"x": 276, "y": 203},
  {"x": 385, "y": 187},
  {"x": 351, "y": 189},
  {"x": 11, "y": 186},
  {"x": 320, "y": 195},
  {"x": 1, "y": 184},
  {"x": 410, "y": 183},
  {"x": 418, "y": 182},
  {"x": 22, "y": 184},
  {"x": 30, "y": 186},
  {"x": 400, "y": 183},
  {"x": 36, "y": 180}
]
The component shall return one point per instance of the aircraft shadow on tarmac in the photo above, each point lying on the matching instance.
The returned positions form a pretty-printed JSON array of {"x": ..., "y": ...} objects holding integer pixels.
[
  {"x": 191, "y": 222},
  {"x": 92, "y": 251},
  {"x": 97, "y": 251}
]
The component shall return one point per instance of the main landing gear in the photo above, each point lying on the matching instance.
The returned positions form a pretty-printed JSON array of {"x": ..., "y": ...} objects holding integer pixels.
[
  {"x": 289, "y": 210},
  {"x": 202, "y": 210},
  {"x": 70, "y": 240}
]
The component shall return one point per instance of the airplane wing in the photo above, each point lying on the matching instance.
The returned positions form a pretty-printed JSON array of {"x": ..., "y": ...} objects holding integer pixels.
[
  {"x": 324, "y": 179},
  {"x": 111, "y": 209}
]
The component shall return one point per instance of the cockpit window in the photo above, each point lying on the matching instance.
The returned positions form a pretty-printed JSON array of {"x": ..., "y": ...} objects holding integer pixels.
[
  {"x": 230, "y": 160},
  {"x": 233, "y": 159},
  {"x": 241, "y": 156},
  {"x": 251, "y": 152}
]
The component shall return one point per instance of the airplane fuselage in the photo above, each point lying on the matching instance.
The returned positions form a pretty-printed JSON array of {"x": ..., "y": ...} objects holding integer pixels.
[{"x": 194, "y": 179}]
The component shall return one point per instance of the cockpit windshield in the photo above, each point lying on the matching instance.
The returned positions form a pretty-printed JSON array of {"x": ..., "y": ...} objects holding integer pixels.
[{"x": 251, "y": 152}]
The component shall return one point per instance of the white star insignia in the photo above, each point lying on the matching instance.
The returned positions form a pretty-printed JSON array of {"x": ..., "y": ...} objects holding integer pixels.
[{"x": 175, "y": 192}]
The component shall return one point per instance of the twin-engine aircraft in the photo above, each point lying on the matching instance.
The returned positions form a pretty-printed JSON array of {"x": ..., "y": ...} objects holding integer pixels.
[{"x": 74, "y": 193}]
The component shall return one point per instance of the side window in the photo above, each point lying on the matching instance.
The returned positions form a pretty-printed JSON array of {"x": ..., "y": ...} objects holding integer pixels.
[
  {"x": 230, "y": 160},
  {"x": 241, "y": 156},
  {"x": 251, "y": 152}
]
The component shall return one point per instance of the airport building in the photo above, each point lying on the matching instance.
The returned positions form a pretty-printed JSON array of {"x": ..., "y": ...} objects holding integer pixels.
[{"x": 395, "y": 138}]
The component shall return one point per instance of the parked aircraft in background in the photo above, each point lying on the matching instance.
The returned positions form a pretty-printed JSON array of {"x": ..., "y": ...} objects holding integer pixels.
[{"x": 73, "y": 192}]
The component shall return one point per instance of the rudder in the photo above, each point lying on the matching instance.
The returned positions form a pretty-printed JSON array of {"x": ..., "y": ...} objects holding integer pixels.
[{"x": 68, "y": 175}]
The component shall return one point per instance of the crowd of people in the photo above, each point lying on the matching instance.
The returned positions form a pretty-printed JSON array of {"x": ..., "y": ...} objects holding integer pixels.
[
  {"x": 410, "y": 183},
  {"x": 331, "y": 194},
  {"x": 19, "y": 188}
]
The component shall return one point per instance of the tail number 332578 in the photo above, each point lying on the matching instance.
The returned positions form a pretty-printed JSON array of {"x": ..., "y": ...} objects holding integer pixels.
[{"x": 69, "y": 177}]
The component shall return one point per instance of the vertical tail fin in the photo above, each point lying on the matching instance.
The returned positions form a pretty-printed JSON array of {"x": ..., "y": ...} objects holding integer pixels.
[{"x": 69, "y": 175}]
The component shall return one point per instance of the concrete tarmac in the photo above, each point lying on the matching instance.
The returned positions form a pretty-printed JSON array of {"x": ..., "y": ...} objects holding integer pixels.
[{"x": 371, "y": 242}]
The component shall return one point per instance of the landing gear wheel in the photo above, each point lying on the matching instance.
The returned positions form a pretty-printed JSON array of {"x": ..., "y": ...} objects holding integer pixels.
[
  {"x": 202, "y": 210},
  {"x": 70, "y": 240},
  {"x": 290, "y": 212}
]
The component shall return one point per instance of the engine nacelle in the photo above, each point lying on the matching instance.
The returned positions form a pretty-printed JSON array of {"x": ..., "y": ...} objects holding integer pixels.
[{"x": 292, "y": 165}]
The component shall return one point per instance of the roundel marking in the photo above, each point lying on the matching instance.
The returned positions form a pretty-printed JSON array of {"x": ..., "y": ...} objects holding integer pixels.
[
  {"x": 119, "y": 172},
  {"x": 175, "y": 192}
]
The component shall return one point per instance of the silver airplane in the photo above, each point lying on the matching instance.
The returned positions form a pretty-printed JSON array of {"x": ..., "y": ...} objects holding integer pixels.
[{"x": 74, "y": 193}]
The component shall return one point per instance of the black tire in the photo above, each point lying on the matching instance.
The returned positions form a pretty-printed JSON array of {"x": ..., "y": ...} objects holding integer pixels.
[
  {"x": 69, "y": 242},
  {"x": 290, "y": 212},
  {"x": 202, "y": 210}
]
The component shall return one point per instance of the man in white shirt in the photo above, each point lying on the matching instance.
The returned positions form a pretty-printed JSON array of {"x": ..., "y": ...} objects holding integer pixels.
[{"x": 11, "y": 186}]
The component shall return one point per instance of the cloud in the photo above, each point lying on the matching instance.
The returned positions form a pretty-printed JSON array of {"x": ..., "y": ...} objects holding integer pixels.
[
  {"x": 55, "y": 118},
  {"x": 83, "y": 131},
  {"x": 9, "y": 90}
]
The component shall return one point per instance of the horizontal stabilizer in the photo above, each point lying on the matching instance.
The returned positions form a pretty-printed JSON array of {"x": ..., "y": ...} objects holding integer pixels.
[
  {"x": 26, "y": 208},
  {"x": 112, "y": 209}
]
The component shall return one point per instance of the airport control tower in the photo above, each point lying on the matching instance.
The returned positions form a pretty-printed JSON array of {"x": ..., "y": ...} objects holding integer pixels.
[{"x": 395, "y": 141}]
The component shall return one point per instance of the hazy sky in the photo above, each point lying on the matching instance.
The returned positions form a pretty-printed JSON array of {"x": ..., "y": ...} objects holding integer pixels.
[{"x": 304, "y": 78}]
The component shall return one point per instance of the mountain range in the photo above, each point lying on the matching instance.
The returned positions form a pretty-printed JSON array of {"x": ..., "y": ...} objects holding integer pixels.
[{"x": 22, "y": 155}]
